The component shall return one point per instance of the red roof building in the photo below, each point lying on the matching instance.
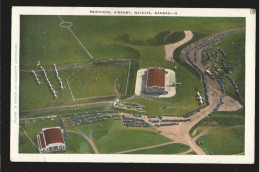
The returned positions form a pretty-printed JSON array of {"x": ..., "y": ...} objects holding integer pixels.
[
  {"x": 155, "y": 81},
  {"x": 53, "y": 135},
  {"x": 51, "y": 140},
  {"x": 155, "y": 78}
]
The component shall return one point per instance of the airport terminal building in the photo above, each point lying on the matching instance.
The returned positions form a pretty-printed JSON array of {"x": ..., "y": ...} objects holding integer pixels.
[{"x": 155, "y": 81}]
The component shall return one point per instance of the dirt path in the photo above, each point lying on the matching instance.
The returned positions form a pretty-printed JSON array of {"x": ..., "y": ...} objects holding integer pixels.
[
  {"x": 230, "y": 104},
  {"x": 92, "y": 144},
  {"x": 170, "y": 48},
  {"x": 143, "y": 148},
  {"x": 180, "y": 133},
  {"x": 186, "y": 152}
]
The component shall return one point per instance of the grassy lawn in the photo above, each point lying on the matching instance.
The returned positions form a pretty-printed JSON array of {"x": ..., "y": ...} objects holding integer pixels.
[
  {"x": 153, "y": 56},
  {"x": 168, "y": 149},
  {"x": 224, "y": 140},
  {"x": 175, "y": 37},
  {"x": 226, "y": 133},
  {"x": 39, "y": 36},
  {"x": 113, "y": 137},
  {"x": 77, "y": 144},
  {"x": 74, "y": 143},
  {"x": 98, "y": 81},
  {"x": 158, "y": 39},
  {"x": 42, "y": 39},
  {"x": 29, "y": 88},
  {"x": 154, "y": 107},
  {"x": 62, "y": 112},
  {"x": 33, "y": 129},
  {"x": 234, "y": 53},
  {"x": 192, "y": 153},
  {"x": 132, "y": 78}
]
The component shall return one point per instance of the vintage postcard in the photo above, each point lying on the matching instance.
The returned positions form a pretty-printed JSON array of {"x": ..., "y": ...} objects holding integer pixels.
[{"x": 145, "y": 85}]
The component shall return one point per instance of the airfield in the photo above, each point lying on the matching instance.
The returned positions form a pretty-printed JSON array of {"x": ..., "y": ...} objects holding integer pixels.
[{"x": 97, "y": 60}]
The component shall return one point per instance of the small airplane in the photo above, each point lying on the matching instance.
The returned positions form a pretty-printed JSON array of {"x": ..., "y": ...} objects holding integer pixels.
[
  {"x": 174, "y": 84},
  {"x": 200, "y": 98}
]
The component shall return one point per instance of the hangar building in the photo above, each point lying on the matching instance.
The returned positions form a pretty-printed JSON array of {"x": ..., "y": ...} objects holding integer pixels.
[
  {"x": 155, "y": 81},
  {"x": 51, "y": 140}
]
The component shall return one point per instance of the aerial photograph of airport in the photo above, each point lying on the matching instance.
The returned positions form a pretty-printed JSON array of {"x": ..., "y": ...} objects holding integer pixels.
[{"x": 132, "y": 85}]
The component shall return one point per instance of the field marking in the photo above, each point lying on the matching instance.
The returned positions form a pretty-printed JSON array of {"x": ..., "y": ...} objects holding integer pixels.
[
  {"x": 29, "y": 138},
  {"x": 128, "y": 77},
  {"x": 85, "y": 98},
  {"x": 92, "y": 144},
  {"x": 70, "y": 24},
  {"x": 103, "y": 103},
  {"x": 70, "y": 90},
  {"x": 96, "y": 97},
  {"x": 117, "y": 94},
  {"x": 77, "y": 39},
  {"x": 32, "y": 142},
  {"x": 143, "y": 148}
]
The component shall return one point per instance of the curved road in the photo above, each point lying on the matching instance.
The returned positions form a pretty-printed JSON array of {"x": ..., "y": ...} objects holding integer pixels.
[
  {"x": 170, "y": 48},
  {"x": 92, "y": 144},
  {"x": 180, "y": 133}
]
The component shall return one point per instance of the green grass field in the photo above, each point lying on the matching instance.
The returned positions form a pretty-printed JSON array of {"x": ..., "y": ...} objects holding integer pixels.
[
  {"x": 62, "y": 112},
  {"x": 29, "y": 88},
  {"x": 168, "y": 149},
  {"x": 226, "y": 133},
  {"x": 113, "y": 137},
  {"x": 113, "y": 37},
  {"x": 84, "y": 83},
  {"x": 154, "y": 107},
  {"x": 33, "y": 129},
  {"x": 224, "y": 140},
  {"x": 153, "y": 56},
  {"x": 53, "y": 44},
  {"x": 76, "y": 144},
  {"x": 234, "y": 53},
  {"x": 192, "y": 153}
]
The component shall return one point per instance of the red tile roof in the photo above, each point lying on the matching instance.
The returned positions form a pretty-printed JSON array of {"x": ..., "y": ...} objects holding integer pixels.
[
  {"x": 42, "y": 141},
  {"x": 53, "y": 135},
  {"x": 156, "y": 77}
]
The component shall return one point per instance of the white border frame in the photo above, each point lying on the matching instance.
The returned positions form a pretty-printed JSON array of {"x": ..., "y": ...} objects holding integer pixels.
[{"x": 249, "y": 156}]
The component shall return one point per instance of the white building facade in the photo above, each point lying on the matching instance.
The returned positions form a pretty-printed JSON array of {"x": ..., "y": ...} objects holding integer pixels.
[{"x": 51, "y": 140}]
